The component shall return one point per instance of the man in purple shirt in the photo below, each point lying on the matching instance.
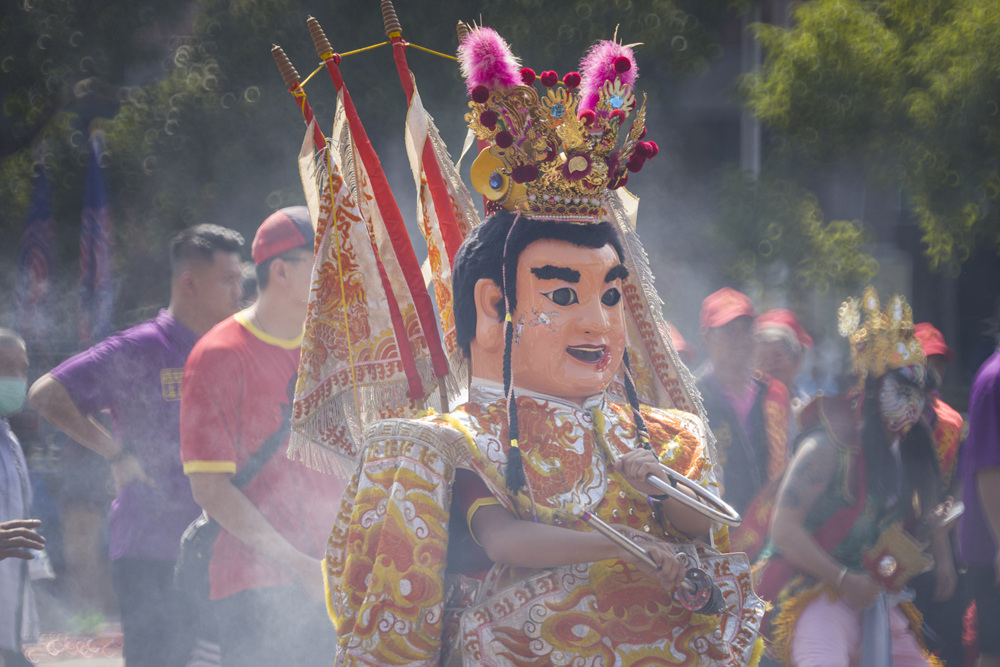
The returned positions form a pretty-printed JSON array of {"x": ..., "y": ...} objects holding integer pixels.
[
  {"x": 136, "y": 375},
  {"x": 979, "y": 526}
]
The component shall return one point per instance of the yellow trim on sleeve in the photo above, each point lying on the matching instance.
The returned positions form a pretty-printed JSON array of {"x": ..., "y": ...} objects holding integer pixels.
[
  {"x": 284, "y": 343},
  {"x": 327, "y": 595},
  {"x": 209, "y": 466},
  {"x": 482, "y": 502}
]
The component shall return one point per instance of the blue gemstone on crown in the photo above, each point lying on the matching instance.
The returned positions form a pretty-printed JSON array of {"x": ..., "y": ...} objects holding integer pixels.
[
  {"x": 558, "y": 110},
  {"x": 496, "y": 180},
  {"x": 616, "y": 101}
]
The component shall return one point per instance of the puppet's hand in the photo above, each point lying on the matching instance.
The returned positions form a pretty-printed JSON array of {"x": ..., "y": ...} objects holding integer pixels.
[
  {"x": 634, "y": 466},
  {"x": 669, "y": 569}
]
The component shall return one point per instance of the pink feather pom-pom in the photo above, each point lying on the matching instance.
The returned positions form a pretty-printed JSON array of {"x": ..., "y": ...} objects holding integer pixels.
[
  {"x": 487, "y": 60},
  {"x": 601, "y": 64}
]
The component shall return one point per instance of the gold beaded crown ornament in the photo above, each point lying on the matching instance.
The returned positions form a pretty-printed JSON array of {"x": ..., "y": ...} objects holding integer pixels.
[
  {"x": 552, "y": 155},
  {"x": 880, "y": 340}
]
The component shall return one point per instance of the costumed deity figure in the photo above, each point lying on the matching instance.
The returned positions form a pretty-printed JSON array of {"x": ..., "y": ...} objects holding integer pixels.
[
  {"x": 858, "y": 507},
  {"x": 460, "y": 538}
]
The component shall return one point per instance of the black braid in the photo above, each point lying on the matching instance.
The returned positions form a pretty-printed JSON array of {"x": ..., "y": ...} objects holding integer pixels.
[
  {"x": 514, "y": 475},
  {"x": 633, "y": 401}
]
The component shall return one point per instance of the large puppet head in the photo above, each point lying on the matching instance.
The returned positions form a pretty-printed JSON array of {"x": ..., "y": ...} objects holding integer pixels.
[
  {"x": 543, "y": 275},
  {"x": 563, "y": 290},
  {"x": 885, "y": 350}
]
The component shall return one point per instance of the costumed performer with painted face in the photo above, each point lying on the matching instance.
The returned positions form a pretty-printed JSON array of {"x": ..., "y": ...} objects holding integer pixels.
[
  {"x": 858, "y": 507},
  {"x": 457, "y": 541}
]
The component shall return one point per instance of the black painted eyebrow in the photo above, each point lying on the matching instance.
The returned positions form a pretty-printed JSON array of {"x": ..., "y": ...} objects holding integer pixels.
[
  {"x": 616, "y": 272},
  {"x": 549, "y": 272}
]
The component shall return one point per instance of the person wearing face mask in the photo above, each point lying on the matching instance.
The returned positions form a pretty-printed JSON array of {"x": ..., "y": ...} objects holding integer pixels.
[
  {"x": 864, "y": 479},
  {"x": 18, "y": 617}
]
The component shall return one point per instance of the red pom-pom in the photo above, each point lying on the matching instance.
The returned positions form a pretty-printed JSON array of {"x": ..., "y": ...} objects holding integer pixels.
[
  {"x": 652, "y": 147},
  {"x": 504, "y": 139},
  {"x": 488, "y": 119},
  {"x": 527, "y": 75},
  {"x": 524, "y": 173},
  {"x": 620, "y": 183},
  {"x": 617, "y": 114},
  {"x": 622, "y": 64},
  {"x": 587, "y": 116},
  {"x": 642, "y": 135},
  {"x": 550, "y": 152},
  {"x": 480, "y": 94},
  {"x": 572, "y": 79},
  {"x": 642, "y": 150},
  {"x": 635, "y": 162},
  {"x": 549, "y": 79}
]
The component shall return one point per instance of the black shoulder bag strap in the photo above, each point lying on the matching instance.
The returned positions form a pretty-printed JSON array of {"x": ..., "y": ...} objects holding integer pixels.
[
  {"x": 198, "y": 540},
  {"x": 265, "y": 451},
  {"x": 269, "y": 446}
]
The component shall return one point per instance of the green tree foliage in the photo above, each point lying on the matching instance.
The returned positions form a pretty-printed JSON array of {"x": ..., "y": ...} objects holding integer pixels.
[
  {"x": 199, "y": 127},
  {"x": 773, "y": 225},
  {"x": 908, "y": 87}
]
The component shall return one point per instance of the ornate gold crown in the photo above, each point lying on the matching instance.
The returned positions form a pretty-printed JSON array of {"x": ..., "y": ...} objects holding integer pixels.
[
  {"x": 880, "y": 340},
  {"x": 552, "y": 155}
]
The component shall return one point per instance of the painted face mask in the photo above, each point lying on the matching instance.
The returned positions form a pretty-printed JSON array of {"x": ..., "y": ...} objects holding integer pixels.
[
  {"x": 12, "y": 393},
  {"x": 570, "y": 318},
  {"x": 901, "y": 398}
]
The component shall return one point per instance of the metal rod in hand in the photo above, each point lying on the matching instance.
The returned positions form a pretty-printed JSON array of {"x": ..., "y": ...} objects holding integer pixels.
[
  {"x": 706, "y": 503},
  {"x": 628, "y": 545}
]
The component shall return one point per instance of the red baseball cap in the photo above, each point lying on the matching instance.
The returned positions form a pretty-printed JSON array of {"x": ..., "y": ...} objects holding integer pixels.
[
  {"x": 932, "y": 340},
  {"x": 283, "y": 230},
  {"x": 724, "y": 306},
  {"x": 782, "y": 318}
]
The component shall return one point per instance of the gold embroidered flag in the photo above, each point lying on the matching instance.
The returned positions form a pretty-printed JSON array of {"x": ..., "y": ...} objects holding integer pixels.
[{"x": 350, "y": 371}]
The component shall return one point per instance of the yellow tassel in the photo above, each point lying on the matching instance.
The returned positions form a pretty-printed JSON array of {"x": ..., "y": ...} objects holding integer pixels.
[
  {"x": 507, "y": 318},
  {"x": 783, "y": 623},
  {"x": 916, "y": 622},
  {"x": 513, "y": 443},
  {"x": 758, "y": 652}
]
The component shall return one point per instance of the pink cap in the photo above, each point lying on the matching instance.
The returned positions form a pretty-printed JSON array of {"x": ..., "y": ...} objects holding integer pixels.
[{"x": 781, "y": 318}]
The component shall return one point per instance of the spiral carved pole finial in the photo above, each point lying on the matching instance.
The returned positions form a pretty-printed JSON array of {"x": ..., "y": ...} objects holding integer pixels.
[
  {"x": 288, "y": 72},
  {"x": 463, "y": 30},
  {"x": 320, "y": 41},
  {"x": 391, "y": 21}
]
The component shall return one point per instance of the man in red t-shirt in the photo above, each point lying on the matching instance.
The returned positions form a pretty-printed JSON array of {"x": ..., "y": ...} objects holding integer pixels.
[{"x": 265, "y": 574}]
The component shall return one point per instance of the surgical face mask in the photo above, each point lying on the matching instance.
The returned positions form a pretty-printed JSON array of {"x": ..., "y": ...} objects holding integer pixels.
[{"x": 12, "y": 394}]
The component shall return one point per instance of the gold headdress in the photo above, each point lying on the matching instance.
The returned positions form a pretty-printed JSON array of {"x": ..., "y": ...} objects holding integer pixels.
[
  {"x": 552, "y": 155},
  {"x": 880, "y": 340}
]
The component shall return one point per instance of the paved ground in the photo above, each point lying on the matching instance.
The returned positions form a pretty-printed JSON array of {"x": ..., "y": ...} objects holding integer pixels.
[{"x": 87, "y": 662}]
